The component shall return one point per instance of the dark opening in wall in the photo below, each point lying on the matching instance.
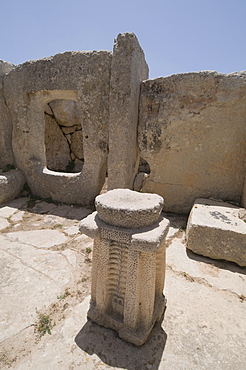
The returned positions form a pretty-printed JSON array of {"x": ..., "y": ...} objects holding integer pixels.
[
  {"x": 143, "y": 173},
  {"x": 63, "y": 136},
  {"x": 143, "y": 166}
]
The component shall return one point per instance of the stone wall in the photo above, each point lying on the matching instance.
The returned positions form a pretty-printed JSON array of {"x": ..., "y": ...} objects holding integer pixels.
[
  {"x": 192, "y": 133},
  {"x": 69, "y": 119},
  {"x": 33, "y": 88}
]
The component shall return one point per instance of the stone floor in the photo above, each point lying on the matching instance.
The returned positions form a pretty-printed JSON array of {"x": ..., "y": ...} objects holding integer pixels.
[{"x": 45, "y": 270}]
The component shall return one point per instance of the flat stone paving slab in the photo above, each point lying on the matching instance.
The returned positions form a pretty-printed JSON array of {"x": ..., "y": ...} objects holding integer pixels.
[
  {"x": 203, "y": 326},
  {"x": 38, "y": 238},
  {"x": 216, "y": 230}
]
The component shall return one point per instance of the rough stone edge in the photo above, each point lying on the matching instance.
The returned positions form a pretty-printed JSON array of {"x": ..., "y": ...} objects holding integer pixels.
[{"x": 11, "y": 184}]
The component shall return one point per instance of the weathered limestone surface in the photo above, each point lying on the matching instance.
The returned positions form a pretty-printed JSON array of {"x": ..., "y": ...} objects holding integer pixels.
[
  {"x": 216, "y": 230},
  {"x": 129, "y": 68},
  {"x": 63, "y": 136},
  {"x": 77, "y": 144},
  {"x": 82, "y": 77},
  {"x": 243, "y": 200},
  {"x": 203, "y": 326},
  {"x": 56, "y": 146},
  {"x": 65, "y": 112},
  {"x": 192, "y": 132},
  {"x": 6, "y": 155},
  {"x": 126, "y": 208},
  {"x": 128, "y": 266},
  {"x": 11, "y": 183}
]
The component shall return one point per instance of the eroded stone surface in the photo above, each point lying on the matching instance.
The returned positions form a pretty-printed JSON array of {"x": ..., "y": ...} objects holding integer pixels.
[
  {"x": 38, "y": 238},
  {"x": 66, "y": 112},
  {"x": 129, "y": 68},
  {"x": 77, "y": 144},
  {"x": 81, "y": 77},
  {"x": 3, "y": 223},
  {"x": 34, "y": 265},
  {"x": 11, "y": 184},
  {"x": 192, "y": 134},
  {"x": 215, "y": 230},
  {"x": 128, "y": 267},
  {"x": 56, "y": 145},
  {"x": 6, "y": 154},
  {"x": 44, "y": 207},
  {"x": 127, "y": 208},
  {"x": 203, "y": 326}
]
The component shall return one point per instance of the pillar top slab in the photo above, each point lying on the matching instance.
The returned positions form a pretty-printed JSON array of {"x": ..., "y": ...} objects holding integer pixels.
[{"x": 129, "y": 209}]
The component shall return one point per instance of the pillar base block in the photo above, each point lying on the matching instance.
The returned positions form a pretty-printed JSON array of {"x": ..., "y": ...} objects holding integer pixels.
[{"x": 136, "y": 336}]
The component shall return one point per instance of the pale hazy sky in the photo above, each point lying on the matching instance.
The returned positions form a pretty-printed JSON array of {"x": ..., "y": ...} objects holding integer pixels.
[{"x": 176, "y": 35}]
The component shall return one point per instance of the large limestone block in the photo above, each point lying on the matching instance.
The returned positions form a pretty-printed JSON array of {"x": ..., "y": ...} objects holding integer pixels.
[
  {"x": 77, "y": 144},
  {"x": 6, "y": 155},
  {"x": 83, "y": 77},
  {"x": 192, "y": 133},
  {"x": 216, "y": 230},
  {"x": 11, "y": 183},
  {"x": 129, "y": 68},
  {"x": 66, "y": 112},
  {"x": 57, "y": 149}
]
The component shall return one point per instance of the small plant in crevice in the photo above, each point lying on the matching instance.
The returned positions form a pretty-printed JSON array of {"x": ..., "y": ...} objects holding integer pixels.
[
  {"x": 8, "y": 167},
  {"x": 242, "y": 297},
  {"x": 64, "y": 295},
  {"x": 44, "y": 324},
  {"x": 32, "y": 201},
  {"x": 26, "y": 191},
  {"x": 88, "y": 250}
]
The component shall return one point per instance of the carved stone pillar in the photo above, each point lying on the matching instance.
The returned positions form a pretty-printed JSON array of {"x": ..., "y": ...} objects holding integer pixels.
[{"x": 128, "y": 265}]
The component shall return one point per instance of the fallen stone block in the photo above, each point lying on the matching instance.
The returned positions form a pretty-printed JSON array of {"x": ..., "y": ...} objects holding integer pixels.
[{"x": 216, "y": 230}]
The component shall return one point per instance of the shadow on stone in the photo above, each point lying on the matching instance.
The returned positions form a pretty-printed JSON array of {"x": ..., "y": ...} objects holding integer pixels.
[
  {"x": 113, "y": 351},
  {"x": 176, "y": 220},
  {"x": 221, "y": 264}
]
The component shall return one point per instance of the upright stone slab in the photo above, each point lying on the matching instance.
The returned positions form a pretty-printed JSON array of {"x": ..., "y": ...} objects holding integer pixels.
[
  {"x": 129, "y": 68},
  {"x": 217, "y": 230},
  {"x": 6, "y": 154},
  {"x": 11, "y": 181},
  {"x": 128, "y": 266}
]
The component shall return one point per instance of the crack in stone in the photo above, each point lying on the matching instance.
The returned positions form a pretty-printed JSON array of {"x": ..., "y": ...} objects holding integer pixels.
[
  {"x": 54, "y": 117},
  {"x": 170, "y": 239},
  {"x": 16, "y": 240},
  {"x": 25, "y": 264},
  {"x": 16, "y": 334},
  {"x": 202, "y": 281}
]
